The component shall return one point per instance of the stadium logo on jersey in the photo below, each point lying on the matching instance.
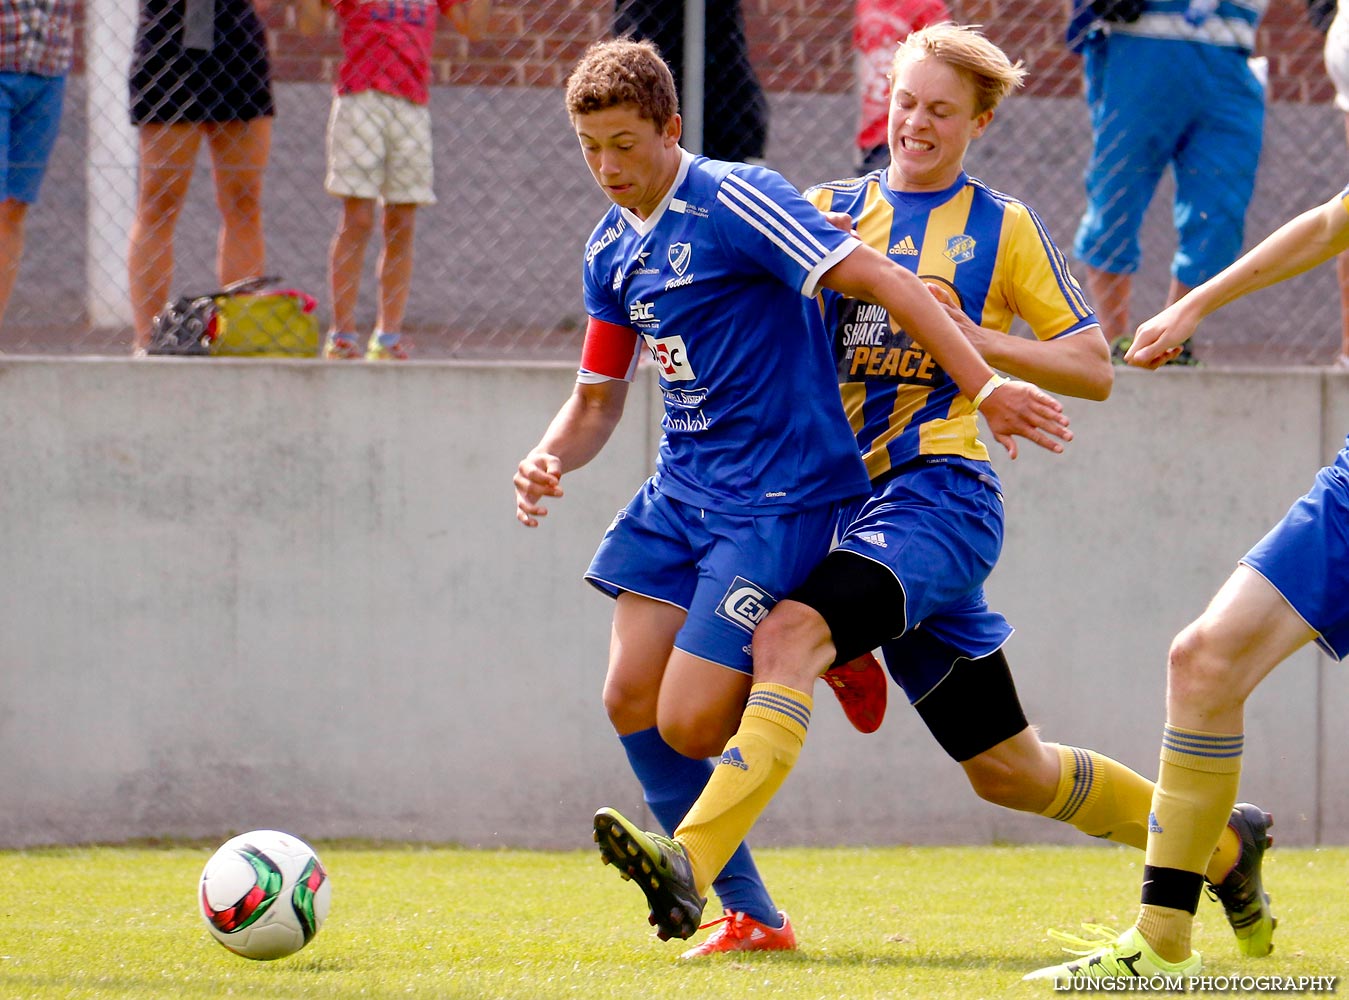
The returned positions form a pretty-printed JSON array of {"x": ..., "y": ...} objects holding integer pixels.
[
  {"x": 904, "y": 248},
  {"x": 672, "y": 357},
  {"x": 680, "y": 255},
  {"x": 610, "y": 234},
  {"x": 959, "y": 249},
  {"x": 745, "y": 604}
]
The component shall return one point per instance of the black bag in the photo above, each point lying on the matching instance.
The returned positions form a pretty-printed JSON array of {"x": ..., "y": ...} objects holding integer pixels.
[{"x": 1119, "y": 11}]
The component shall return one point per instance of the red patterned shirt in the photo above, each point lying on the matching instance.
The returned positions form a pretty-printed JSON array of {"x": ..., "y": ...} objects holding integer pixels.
[
  {"x": 37, "y": 36},
  {"x": 386, "y": 46}
]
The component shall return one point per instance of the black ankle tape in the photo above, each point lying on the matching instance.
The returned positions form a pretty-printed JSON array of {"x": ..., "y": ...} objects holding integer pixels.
[{"x": 1172, "y": 888}]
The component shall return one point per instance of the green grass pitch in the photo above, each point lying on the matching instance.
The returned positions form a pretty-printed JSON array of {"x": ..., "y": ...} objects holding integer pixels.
[{"x": 446, "y": 923}]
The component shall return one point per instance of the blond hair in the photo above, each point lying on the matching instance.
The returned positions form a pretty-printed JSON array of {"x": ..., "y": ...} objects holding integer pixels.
[
  {"x": 622, "y": 71},
  {"x": 965, "y": 48}
]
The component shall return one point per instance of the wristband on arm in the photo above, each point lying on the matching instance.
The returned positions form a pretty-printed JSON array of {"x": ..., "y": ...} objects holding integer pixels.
[{"x": 995, "y": 380}]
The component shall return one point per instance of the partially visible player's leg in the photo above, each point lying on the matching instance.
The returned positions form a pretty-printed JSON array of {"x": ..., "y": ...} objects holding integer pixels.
[
  {"x": 1289, "y": 590},
  {"x": 1214, "y": 665},
  {"x": 763, "y": 751},
  {"x": 706, "y": 678}
]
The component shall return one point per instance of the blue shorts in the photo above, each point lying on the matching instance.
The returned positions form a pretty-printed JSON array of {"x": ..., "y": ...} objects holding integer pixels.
[
  {"x": 1155, "y": 103},
  {"x": 726, "y": 571},
  {"x": 1306, "y": 556},
  {"x": 30, "y": 118},
  {"x": 937, "y": 526}
]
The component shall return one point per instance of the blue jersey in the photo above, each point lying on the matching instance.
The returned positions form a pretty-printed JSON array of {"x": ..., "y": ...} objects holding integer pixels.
[
  {"x": 713, "y": 283},
  {"x": 992, "y": 255}
]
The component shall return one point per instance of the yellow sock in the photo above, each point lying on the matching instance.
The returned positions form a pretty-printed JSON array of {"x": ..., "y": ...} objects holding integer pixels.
[
  {"x": 1196, "y": 789},
  {"x": 756, "y": 761},
  {"x": 1103, "y": 798}
]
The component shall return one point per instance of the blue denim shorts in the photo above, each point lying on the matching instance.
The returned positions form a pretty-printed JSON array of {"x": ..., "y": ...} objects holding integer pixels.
[{"x": 30, "y": 117}]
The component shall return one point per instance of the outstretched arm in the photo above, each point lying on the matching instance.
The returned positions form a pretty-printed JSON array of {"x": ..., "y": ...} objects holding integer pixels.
[
  {"x": 1296, "y": 246},
  {"x": 575, "y": 436},
  {"x": 1012, "y": 409},
  {"x": 1077, "y": 365}
]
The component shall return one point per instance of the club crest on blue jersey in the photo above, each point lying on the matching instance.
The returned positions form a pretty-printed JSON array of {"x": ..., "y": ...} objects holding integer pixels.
[
  {"x": 959, "y": 249},
  {"x": 745, "y": 604},
  {"x": 680, "y": 255}
]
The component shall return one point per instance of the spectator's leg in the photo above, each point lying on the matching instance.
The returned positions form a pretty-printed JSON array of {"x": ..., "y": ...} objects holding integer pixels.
[
  {"x": 1110, "y": 297},
  {"x": 1215, "y": 168},
  {"x": 239, "y": 152},
  {"x": 12, "y": 215},
  {"x": 167, "y": 155},
  {"x": 395, "y": 265},
  {"x": 346, "y": 258}
]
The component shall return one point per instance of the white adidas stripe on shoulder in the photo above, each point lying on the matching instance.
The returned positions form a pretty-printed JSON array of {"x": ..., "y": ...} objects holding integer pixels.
[{"x": 770, "y": 219}]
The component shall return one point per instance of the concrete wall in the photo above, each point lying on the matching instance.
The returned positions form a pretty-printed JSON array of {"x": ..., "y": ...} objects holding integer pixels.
[{"x": 253, "y": 593}]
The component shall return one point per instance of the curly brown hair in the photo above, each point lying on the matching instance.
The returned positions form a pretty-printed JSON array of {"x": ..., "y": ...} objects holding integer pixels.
[{"x": 622, "y": 71}]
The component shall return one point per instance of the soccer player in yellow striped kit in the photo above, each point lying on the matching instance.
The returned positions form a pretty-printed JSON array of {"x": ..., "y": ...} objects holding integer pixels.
[{"x": 907, "y": 574}]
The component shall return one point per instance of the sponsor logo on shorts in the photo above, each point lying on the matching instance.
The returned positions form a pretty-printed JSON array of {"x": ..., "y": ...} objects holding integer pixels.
[
  {"x": 745, "y": 604},
  {"x": 875, "y": 538}
]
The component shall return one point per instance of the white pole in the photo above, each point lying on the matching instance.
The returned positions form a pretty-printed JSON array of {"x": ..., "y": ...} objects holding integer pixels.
[
  {"x": 110, "y": 171},
  {"x": 695, "y": 52}
]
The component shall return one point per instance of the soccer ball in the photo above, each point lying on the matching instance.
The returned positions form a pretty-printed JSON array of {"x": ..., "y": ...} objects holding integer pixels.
[{"x": 264, "y": 894}]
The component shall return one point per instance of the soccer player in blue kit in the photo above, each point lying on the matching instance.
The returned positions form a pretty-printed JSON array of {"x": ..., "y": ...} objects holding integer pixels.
[
  {"x": 707, "y": 265},
  {"x": 1290, "y": 589},
  {"x": 907, "y": 574}
]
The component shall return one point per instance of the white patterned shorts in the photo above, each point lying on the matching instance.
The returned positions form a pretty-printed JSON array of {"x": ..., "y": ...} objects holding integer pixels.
[{"x": 379, "y": 146}]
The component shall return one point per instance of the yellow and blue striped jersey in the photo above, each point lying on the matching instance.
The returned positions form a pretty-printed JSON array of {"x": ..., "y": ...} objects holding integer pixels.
[{"x": 995, "y": 257}]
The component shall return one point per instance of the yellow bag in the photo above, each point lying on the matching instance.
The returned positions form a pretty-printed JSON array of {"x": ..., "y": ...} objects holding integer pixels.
[{"x": 279, "y": 323}]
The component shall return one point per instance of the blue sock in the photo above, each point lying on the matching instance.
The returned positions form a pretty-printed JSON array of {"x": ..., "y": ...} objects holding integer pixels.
[{"x": 671, "y": 783}]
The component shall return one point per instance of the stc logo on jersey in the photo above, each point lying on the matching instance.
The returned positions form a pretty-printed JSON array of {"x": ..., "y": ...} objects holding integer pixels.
[
  {"x": 745, "y": 604},
  {"x": 642, "y": 313},
  {"x": 672, "y": 357}
]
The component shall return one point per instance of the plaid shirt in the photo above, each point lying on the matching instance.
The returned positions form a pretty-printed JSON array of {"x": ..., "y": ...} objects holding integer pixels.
[{"x": 37, "y": 36}]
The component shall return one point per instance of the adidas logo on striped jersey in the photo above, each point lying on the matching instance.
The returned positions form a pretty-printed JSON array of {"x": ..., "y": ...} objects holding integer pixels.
[{"x": 904, "y": 248}]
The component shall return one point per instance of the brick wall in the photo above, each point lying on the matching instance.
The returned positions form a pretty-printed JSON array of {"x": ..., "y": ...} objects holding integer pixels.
[{"x": 795, "y": 44}]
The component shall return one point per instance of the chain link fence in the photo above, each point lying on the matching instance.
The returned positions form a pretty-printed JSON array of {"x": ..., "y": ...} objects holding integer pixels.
[{"x": 498, "y": 254}]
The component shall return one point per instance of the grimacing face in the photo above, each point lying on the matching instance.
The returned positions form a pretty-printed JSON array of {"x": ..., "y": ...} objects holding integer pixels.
[
  {"x": 932, "y": 122},
  {"x": 633, "y": 160}
]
